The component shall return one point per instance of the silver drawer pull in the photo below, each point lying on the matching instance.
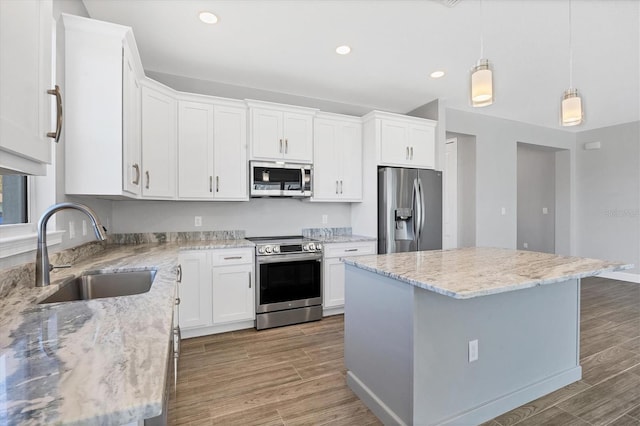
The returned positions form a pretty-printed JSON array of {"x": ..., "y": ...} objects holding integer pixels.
[
  {"x": 233, "y": 258},
  {"x": 177, "y": 300},
  {"x": 351, "y": 249}
]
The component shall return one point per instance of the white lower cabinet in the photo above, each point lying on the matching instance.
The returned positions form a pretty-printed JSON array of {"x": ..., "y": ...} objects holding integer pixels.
[
  {"x": 217, "y": 291},
  {"x": 333, "y": 273}
]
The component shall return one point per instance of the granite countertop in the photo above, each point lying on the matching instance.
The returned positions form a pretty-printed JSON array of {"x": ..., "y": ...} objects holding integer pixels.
[
  {"x": 472, "y": 272},
  {"x": 344, "y": 239},
  {"x": 101, "y": 361}
]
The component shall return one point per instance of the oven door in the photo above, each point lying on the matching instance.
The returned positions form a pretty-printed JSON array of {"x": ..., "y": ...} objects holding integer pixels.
[{"x": 288, "y": 281}]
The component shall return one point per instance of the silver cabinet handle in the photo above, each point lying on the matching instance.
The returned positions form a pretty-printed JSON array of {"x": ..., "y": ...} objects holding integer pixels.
[
  {"x": 354, "y": 249},
  {"x": 411, "y": 153},
  {"x": 233, "y": 258},
  {"x": 148, "y": 179},
  {"x": 341, "y": 186},
  {"x": 280, "y": 146},
  {"x": 217, "y": 183},
  {"x": 286, "y": 146},
  {"x": 177, "y": 300},
  {"x": 249, "y": 279},
  {"x": 407, "y": 156},
  {"x": 56, "y": 92},
  {"x": 179, "y": 273},
  {"x": 210, "y": 183},
  {"x": 337, "y": 187},
  {"x": 136, "y": 167}
]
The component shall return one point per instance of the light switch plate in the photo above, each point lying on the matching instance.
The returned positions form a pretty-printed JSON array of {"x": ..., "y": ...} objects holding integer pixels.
[
  {"x": 473, "y": 350},
  {"x": 197, "y": 221}
]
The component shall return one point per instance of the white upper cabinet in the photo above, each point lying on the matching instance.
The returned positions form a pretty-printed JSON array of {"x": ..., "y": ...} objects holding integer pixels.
[
  {"x": 212, "y": 149},
  {"x": 25, "y": 78},
  {"x": 102, "y": 109},
  {"x": 230, "y": 153},
  {"x": 195, "y": 150},
  {"x": 402, "y": 140},
  {"x": 337, "y": 169},
  {"x": 281, "y": 132},
  {"x": 159, "y": 141}
]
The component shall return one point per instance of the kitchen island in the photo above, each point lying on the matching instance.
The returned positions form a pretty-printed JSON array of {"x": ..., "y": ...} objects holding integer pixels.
[{"x": 414, "y": 322}]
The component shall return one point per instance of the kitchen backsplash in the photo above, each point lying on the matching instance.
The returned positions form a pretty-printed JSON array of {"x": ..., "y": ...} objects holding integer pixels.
[
  {"x": 325, "y": 232},
  {"x": 175, "y": 237}
]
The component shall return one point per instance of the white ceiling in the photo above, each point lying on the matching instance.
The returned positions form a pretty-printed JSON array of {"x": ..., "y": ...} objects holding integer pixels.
[{"x": 289, "y": 47}]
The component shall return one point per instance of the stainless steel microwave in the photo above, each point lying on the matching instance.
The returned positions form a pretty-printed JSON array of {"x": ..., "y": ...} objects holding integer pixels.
[{"x": 280, "y": 179}]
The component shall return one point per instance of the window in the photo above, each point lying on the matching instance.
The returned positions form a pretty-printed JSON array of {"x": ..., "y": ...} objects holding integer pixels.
[{"x": 13, "y": 199}]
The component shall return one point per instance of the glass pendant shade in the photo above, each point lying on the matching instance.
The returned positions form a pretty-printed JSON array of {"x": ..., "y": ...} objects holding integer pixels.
[
  {"x": 571, "y": 108},
  {"x": 481, "y": 84}
]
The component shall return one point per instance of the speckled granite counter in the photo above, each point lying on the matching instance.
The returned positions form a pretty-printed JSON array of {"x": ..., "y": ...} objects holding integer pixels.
[
  {"x": 345, "y": 239},
  {"x": 475, "y": 271},
  {"x": 93, "y": 362}
]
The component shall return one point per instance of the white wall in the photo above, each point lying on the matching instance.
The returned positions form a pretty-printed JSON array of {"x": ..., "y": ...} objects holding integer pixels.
[
  {"x": 466, "y": 190},
  {"x": 536, "y": 191},
  {"x": 259, "y": 216},
  {"x": 496, "y": 169},
  {"x": 608, "y": 194}
]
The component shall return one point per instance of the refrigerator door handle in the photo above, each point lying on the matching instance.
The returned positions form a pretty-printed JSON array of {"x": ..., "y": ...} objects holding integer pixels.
[
  {"x": 416, "y": 209},
  {"x": 421, "y": 209}
]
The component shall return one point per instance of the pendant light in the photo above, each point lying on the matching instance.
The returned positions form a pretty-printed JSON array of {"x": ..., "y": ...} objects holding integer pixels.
[
  {"x": 571, "y": 112},
  {"x": 481, "y": 76}
]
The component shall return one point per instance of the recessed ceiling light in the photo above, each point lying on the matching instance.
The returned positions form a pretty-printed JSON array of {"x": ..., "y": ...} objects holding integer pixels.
[
  {"x": 437, "y": 74},
  {"x": 208, "y": 18},
  {"x": 343, "y": 50}
]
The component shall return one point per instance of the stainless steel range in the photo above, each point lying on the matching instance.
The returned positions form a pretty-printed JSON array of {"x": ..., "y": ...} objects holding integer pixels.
[{"x": 288, "y": 280}]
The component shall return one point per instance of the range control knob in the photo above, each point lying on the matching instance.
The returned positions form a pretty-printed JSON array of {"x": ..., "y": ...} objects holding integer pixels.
[
  {"x": 305, "y": 247},
  {"x": 312, "y": 246},
  {"x": 260, "y": 250},
  {"x": 276, "y": 249},
  {"x": 318, "y": 246},
  {"x": 267, "y": 249}
]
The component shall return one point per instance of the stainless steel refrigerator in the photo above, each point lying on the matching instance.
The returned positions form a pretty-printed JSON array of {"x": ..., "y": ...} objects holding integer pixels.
[{"x": 409, "y": 210}]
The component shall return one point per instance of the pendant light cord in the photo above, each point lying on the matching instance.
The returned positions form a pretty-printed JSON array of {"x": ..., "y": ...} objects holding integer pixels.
[
  {"x": 481, "y": 32},
  {"x": 570, "y": 50}
]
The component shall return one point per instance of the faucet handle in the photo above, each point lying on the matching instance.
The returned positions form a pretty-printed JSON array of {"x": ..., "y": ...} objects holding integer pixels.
[{"x": 52, "y": 267}]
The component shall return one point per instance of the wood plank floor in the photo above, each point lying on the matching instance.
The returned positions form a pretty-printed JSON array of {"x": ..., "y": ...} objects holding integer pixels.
[{"x": 295, "y": 375}]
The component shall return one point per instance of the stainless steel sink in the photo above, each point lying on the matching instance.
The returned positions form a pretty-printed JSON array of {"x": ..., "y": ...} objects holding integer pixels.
[{"x": 97, "y": 285}]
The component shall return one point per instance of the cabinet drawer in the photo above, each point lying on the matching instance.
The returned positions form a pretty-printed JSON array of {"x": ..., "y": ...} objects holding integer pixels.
[
  {"x": 231, "y": 257},
  {"x": 349, "y": 249}
]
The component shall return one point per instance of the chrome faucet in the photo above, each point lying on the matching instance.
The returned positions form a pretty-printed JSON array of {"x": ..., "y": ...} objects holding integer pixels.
[{"x": 42, "y": 255}]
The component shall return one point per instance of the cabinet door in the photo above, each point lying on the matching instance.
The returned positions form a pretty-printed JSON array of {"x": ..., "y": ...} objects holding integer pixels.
[
  {"x": 25, "y": 77},
  {"x": 230, "y": 153},
  {"x": 326, "y": 167},
  {"x": 422, "y": 143},
  {"x": 158, "y": 144},
  {"x": 233, "y": 294},
  {"x": 266, "y": 134},
  {"x": 195, "y": 150},
  {"x": 333, "y": 283},
  {"x": 298, "y": 137},
  {"x": 350, "y": 154},
  {"x": 195, "y": 289},
  {"x": 131, "y": 170},
  {"x": 394, "y": 142}
]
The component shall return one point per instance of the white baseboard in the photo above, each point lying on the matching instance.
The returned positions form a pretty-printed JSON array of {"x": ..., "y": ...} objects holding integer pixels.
[
  {"x": 326, "y": 312},
  {"x": 622, "y": 276},
  {"x": 188, "y": 333}
]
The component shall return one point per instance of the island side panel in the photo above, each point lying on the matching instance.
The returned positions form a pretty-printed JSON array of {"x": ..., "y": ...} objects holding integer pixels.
[
  {"x": 527, "y": 346},
  {"x": 378, "y": 343}
]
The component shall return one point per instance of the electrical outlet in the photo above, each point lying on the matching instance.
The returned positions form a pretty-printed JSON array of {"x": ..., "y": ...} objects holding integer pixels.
[
  {"x": 503, "y": 211},
  {"x": 84, "y": 228},
  {"x": 473, "y": 350},
  {"x": 72, "y": 230},
  {"x": 198, "y": 221},
  {"x": 545, "y": 210},
  {"x": 525, "y": 245},
  {"x": 325, "y": 219}
]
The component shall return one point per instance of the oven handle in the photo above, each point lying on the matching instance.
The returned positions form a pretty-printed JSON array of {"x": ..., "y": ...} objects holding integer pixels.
[{"x": 289, "y": 258}]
